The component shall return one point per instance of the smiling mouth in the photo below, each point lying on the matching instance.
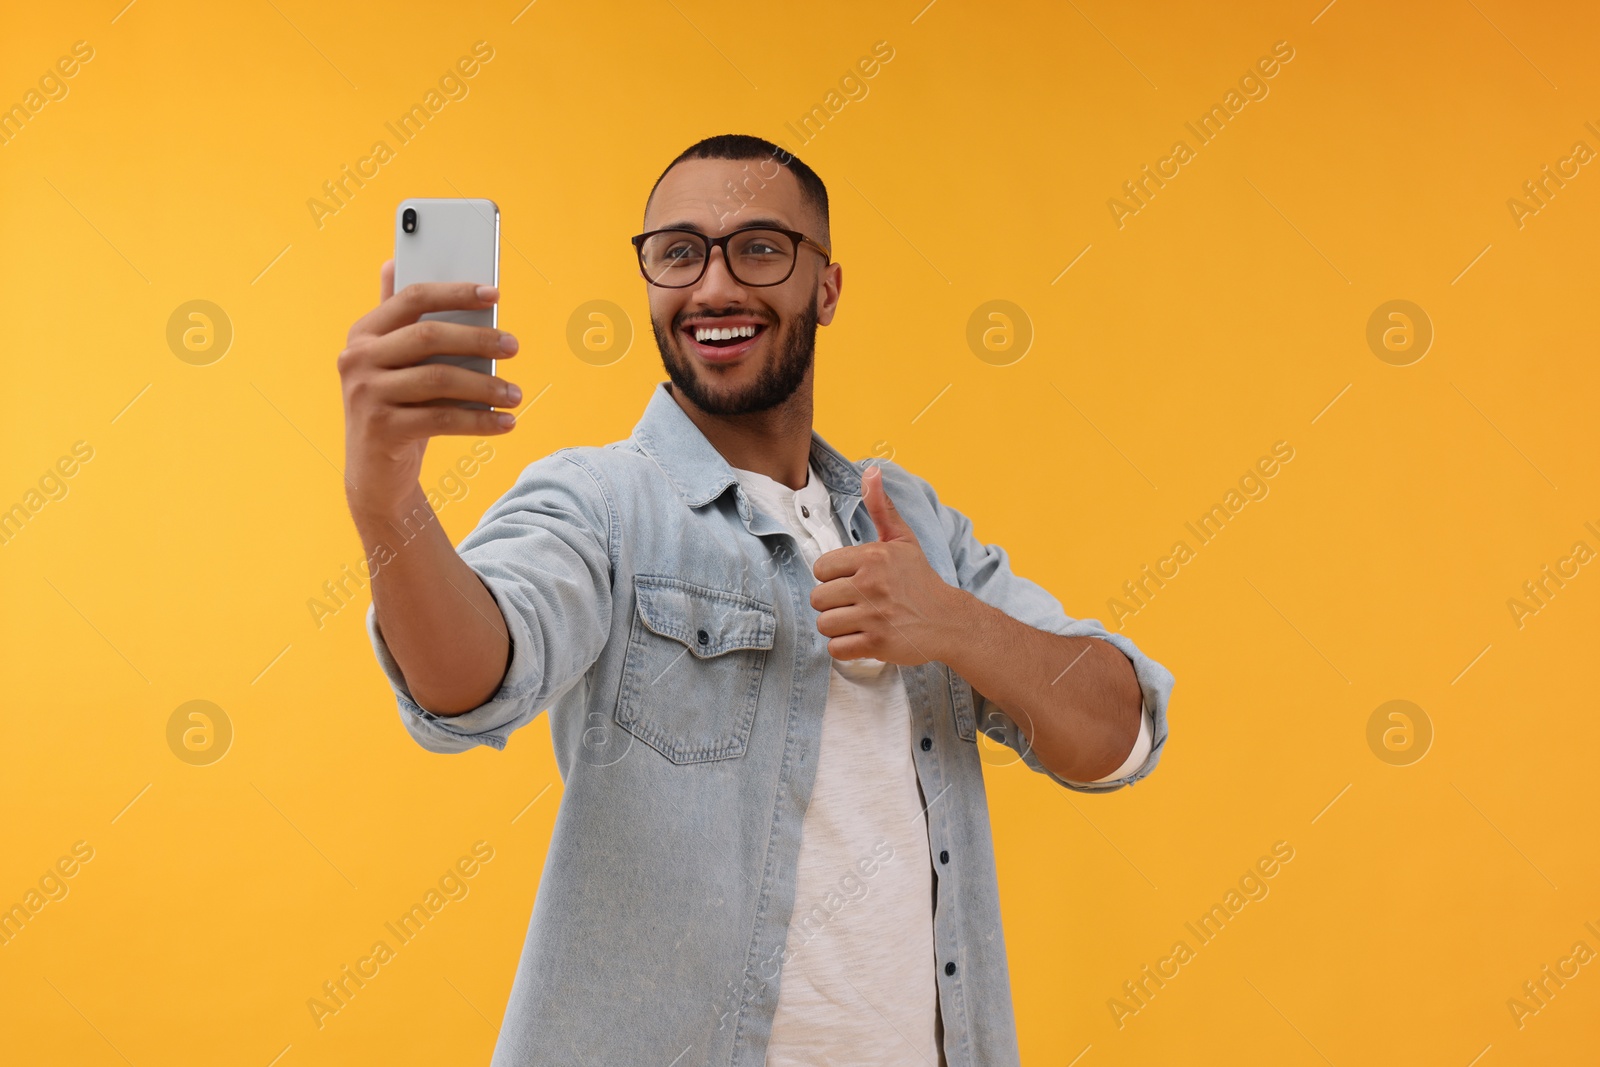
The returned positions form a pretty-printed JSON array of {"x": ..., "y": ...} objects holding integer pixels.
[{"x": 721, "y": 344}]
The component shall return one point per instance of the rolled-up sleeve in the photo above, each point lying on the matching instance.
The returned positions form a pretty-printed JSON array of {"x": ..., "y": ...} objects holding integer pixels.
[
  {"x": 985, "y": 571},
  {"x": 543, "y": 550}
]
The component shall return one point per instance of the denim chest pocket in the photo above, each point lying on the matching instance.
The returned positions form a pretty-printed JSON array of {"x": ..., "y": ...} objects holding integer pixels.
[{"x": 692, "y": 673}]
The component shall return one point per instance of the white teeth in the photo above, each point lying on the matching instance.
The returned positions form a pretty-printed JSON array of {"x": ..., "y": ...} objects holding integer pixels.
[{"x": 728, "y": 333}]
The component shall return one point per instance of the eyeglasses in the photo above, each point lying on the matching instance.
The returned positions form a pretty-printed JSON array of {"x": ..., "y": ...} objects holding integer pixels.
[{"x": 755, "y": 255}]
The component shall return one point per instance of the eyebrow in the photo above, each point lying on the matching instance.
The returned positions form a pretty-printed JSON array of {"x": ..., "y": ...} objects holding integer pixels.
[{"x": 764, "y": 221}]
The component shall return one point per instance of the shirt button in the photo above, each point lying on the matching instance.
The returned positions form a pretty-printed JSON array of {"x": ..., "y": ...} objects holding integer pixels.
[
  {"x": 705, "y": 638},
  {"x": 944, "y": 856},
  {"x": 927, "y": 743},
  {"x": 805, "y": 511},
  {"x": 949, "y": 968}
]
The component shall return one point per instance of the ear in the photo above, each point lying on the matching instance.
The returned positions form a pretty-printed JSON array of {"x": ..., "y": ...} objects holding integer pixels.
[{"x": 832, "y": 284}]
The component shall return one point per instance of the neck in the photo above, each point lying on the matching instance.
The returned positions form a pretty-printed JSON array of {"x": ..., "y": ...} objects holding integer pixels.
[{"x": 775, "y": 442}]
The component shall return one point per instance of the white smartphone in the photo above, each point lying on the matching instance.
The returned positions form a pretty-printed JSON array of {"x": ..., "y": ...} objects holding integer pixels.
[{"x": 450, "y": 239}]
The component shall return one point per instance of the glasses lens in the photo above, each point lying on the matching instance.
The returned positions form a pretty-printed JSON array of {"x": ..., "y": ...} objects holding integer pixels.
[
  {"x": 677, "y": 258},
  {"x": 673, "y": 258},
  {"x": 761, "y": 257}
]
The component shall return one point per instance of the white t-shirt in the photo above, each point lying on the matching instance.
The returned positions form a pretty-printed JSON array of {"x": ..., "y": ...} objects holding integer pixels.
[{"x": 858, "y": 983}]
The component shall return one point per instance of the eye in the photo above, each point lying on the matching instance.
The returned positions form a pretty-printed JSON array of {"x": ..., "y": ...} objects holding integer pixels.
[
  {"x": 682, "y": 252},
  {"x": 761, "y": 244}
]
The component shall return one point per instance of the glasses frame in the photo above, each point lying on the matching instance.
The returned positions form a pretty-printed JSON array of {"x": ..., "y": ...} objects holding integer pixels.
[{"x": 713, "y": 243}]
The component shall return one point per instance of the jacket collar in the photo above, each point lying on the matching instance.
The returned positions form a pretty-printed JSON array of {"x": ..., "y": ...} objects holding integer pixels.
[{"x": 699, "y": 472}]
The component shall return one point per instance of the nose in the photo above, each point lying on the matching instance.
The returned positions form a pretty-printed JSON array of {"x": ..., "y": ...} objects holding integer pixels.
[{"x": 718, "y": 285}]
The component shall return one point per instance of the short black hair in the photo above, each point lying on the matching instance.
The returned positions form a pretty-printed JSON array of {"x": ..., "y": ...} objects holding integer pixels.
[{"x": 738, "y": 146}]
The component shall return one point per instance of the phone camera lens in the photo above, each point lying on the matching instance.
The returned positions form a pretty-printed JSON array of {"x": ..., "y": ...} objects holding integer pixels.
[{"x": 408, "y": 220}]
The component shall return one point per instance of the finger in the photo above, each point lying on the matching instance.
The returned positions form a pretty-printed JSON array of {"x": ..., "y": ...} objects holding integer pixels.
[
  {"x": 442, "y": 381},
  {"x": 418, "y": 423},
  {"x": 885, "y": 516},
  {"x": 839, "y": 562},
  {"x": 851, "y": 646},
  {"x": 838, "y": 593},
  {"x": 411, "y": 344},
  {"x": 419, "y": 298},
  {"x": 841, "y": 622},
  {"x": 386, "y": 280}
]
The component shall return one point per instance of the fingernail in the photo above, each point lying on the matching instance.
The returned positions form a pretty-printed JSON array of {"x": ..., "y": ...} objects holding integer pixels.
[
  {"x": 508, "y": 343},
  {"x": 514, "y": 394},
  {"x": 505, "y": 418},
  {"x": 487, "y": 293}
]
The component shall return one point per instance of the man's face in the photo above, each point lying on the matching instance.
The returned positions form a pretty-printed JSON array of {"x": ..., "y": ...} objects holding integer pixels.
[{"x": 765, "y": 371}]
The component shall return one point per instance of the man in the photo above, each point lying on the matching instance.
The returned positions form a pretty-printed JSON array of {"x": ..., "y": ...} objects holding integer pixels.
[{"x": 765, "y": 669}]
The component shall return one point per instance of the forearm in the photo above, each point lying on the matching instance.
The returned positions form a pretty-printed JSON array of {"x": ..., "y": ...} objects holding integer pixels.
[
  {"x": 1076, "y": 699},
  {"x": 441, "y": 624}
]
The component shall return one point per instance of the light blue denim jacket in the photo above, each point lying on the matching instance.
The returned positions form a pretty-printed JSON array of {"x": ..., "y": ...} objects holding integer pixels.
[{"x": 667, "y": 626}]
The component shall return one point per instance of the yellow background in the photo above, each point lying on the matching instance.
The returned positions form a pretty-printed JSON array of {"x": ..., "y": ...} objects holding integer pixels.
[{"x": 1228, "y": 314}]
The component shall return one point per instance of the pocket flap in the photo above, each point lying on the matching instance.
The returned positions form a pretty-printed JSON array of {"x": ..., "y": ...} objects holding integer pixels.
[{"x": 708, "y": 621}]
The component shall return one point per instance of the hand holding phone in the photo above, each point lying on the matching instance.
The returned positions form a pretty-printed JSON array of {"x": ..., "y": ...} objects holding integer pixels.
[
  {"x": 405, "y": 366},
  {"x": 450, "y": 240}
]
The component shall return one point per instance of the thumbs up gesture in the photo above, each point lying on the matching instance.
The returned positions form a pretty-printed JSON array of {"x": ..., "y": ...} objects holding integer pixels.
[{"x": 882, "y": 600}]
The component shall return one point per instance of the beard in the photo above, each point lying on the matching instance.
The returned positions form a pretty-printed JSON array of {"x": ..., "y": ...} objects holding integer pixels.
[{"x": 785, "y": 369}]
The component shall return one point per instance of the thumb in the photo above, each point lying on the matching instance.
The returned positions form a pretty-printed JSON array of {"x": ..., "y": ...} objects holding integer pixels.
[{"x": 885, "y": 516}]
